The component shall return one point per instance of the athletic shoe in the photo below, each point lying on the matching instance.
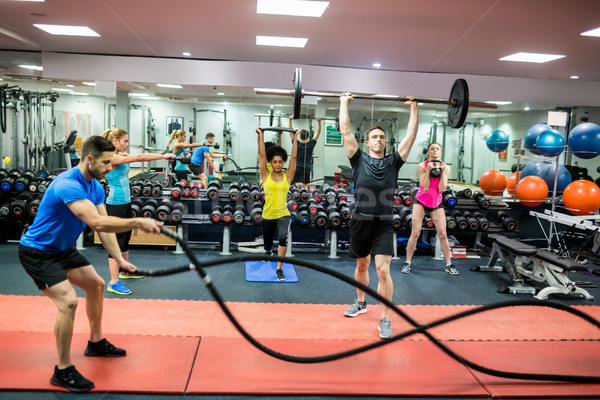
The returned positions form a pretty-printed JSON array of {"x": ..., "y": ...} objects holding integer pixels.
[
  {"x": 268, "y": 255},
  {"x": 405, "y": 268},
  {"x": 359, "y": 307},
  {"x": 134, "y": 276},
  {"x": 71, "y": 379},
  {"x": 103, "y": 348},
  {"x": 280, "y": 275},
  {"x": 451, "y": 270},
  {"x": 118, "y": 288},
  {"x": 385, "y": 328}
]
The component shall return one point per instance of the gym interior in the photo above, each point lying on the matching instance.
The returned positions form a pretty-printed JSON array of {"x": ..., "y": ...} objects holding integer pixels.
[{"x": 210, "y": 320}]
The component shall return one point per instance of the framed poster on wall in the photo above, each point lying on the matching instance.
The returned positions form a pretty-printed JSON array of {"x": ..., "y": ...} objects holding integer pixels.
[{"x": 174, "y": 123}]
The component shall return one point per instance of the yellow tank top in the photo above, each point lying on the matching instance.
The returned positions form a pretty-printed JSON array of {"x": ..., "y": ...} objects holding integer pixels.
[{"x": 275, "y": 198}]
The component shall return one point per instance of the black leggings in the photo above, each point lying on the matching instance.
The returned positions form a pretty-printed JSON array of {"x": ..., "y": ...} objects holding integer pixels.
[
  {"x": 282, "y": 225},
  {"x": 121, "y": 211}
]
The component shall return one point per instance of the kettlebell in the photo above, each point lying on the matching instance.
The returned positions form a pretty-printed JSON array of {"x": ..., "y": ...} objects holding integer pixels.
[{"x": 435, "y": 172}]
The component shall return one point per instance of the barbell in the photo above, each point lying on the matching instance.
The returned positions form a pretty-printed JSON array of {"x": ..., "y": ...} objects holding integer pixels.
[{"x": 458, "y": 102}]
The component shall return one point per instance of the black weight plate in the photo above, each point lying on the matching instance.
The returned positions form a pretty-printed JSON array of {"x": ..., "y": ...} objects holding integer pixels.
[
  {"x": 459, "y": 103},
  {"x": 297, "y": 92},
  {"x": 271, "y": 116}
]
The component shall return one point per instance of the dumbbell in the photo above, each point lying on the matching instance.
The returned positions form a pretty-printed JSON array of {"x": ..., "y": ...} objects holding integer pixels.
[
  {"x": 156, "y": 190},
  {"x": 304, "y": 195},
  {"x": 8, "y": 182},
  {"x": 177, "y": 212},
  {"x": 3, "y": 173},
  {"x": 147, "y": 189},
  {"x": 227, "y": 214},
  {"x": 256, "y": 212},
  {"x": 136, "y": 189},
  {"x": 466, "y": 193},
  {"x": 314, "y": 207},
  {"x": 435, "y": 172},
  {"x": 317, "y": 195},
  {"x": 450, "y": 222},
  {"x": 321, "y": 217},
  {"x": 340, "y": 195},
  {"x": 303, "y": 214},
  {"x": 239, "y": 214},
  {"x": 484, "y": 224},
  {"x": 234, "y": 191},
  {"x": 184, "y": 158},
  {"x": 428, "y": 222},
  {"x": 136, "y": 207},
  {"x": 448, "y": 198},
  {"x": 22, "y": 183},
  {"x": 292, "y": 205},
  {"x": 19, "y": 206},
  {"x": 508, "y": 223},
  {"x": 43, "y": 185},
  {"x": 255, "y": 193},
  {"x": 33, "y": 206},
  {"x": 335, "y": 219},
  {"x": 406, "y": 217},
  {"x": 213, "y": 188},
  {"x": 461, "y": 222},
  {"x": 177, "y": 190},
  {"x": 397, "y": 219},
  {"x": 163, "y": 212},
  {"x": 471, "y": 221},
  {"x": 216, "y": 214},
  {"x": 5, "y": 207},
  {"x": 294, "y": 217},
  {"x": 149, "y": 208},
  {"x": 480, "y": 199},
  {"x": 245, "y": 191},
  {"x": 344, "y": 210}
]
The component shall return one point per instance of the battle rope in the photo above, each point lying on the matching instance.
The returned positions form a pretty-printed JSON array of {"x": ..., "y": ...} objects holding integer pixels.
[{"x": 423, "y": 329}]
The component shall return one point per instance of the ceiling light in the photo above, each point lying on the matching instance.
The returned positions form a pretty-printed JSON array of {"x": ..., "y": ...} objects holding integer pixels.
[
  {"x": 531, "y": 57},
  {"x": 89, "y": 83},
  {"x": 220, "y": 94},
  {"x": 186, "y": 54},
  {"x": 301, "y": 8},
  {"x": 376, "y": 65},
  {"x": 499, "y": 103},
  {"x": 593, "y": 32},
  {"x": 574, "y": 77},
  {"x": 280, "y": 41},
  {"x": 139, "y": 94},
  {"x": 34, "y": 67},
  {"x": 526, "y": 108},
  {"x": 71, "y": 86},
  {"x": 68, "y": 30},
  {"x": 169, "y": 85}
]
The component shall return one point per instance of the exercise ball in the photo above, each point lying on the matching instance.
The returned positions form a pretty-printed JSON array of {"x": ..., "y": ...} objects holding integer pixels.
[
  {"x": 497, "y": 141},
  {"x": 532, "y": 135},
  {"x": 511, "y": 182},
  {"x": 562, "y": 179},
  {"x": 550, "y": 143},
  {"x": 531, "y": 191},
  {"x": 492, "y": 182},
  {"x": 582, "y": 197},
  {"x": 584, "y": 140},
  {"x": 534, "y": 168}
]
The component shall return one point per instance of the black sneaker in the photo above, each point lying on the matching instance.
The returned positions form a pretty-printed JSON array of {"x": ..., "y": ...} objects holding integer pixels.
[
  {"x": 71, "y": 379},
  {"x": 280, "y": 275},
  {"x": 103, "y": 348}
]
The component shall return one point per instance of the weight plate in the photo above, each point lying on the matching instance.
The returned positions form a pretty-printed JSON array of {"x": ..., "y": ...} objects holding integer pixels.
[
  {"x": 459, "y": 103},
  {"x": 297, "y": 92}
]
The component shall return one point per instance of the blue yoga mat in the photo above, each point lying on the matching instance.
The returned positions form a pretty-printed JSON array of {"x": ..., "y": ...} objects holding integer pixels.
[{"x": 258, "y": 271}]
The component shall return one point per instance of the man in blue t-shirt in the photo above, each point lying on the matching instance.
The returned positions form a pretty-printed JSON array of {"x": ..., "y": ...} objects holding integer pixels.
[
  {"x": 372, "y": 228},
  {"x": 202, "y": 153},
  {"x": 47, "y": 252}
]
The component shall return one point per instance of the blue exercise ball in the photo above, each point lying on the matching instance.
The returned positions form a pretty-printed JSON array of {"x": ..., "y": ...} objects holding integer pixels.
[
  {"x": 534, "y": 168},
  {"x": 562, "y": 180},
  {"x": 584, "y": 140},
  {"x": 550, "y": 143},
  {"x": 532, "y": 135},
  {"x": 497, "y": 141}
]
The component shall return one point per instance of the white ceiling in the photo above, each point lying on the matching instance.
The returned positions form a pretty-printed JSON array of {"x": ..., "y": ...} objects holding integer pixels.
[{"x": 427, "y": 36}]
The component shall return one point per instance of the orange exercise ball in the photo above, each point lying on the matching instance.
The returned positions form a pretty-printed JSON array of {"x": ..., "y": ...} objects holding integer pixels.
[
  {"x": 531, "y": 191},
  {"x": 582, "y": 197},
  {"x": 511, "y": 182},
  {"x": 492, "y": 182}
]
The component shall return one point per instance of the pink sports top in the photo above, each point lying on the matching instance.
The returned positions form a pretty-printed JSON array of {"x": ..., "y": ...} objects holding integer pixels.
[{"x": 430, "y": 198}]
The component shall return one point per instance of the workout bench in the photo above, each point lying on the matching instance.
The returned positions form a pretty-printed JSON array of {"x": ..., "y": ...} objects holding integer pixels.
[{"x": 523, "y": 261}]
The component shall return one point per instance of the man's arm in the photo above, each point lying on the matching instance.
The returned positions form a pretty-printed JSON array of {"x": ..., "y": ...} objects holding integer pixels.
[
  {"x": 347, "y": 136},
  {"x": 86, "y": 211},
  {"x": 316, "y": 136},
  {"x": 109, "y": 242},
  {"x": 291, "y": 170},
  {"x": 125, "y": 158},
  {"x": 411, "y": 130},
  {"x": 210, "y": 162},
  {"x": 262, "y": 155}
]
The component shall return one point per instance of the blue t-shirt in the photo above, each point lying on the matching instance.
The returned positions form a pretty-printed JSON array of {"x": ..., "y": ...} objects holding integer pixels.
[
  {"x": 118, "y": 180},
  {"x": 198, "y": 156},
  {"x": 179, "y": 166},
  {"x": 55, "y": 228}
]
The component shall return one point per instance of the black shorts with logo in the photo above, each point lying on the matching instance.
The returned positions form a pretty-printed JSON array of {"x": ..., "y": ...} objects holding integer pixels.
[
  {"x": 196, "y": 169},
  {"x": 48, "y": 268},
  {"x": 371, "y": 235}
]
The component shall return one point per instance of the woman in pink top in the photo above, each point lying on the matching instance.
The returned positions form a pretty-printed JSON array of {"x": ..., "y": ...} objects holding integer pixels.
[{"x": 429, "y": 198}]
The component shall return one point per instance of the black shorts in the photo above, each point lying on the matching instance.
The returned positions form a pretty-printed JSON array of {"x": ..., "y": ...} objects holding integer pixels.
[
  {"x": 121, "y": 211},
  {"x": 302, "y": 175},
  {"x": 371, "y": 235},
  {"x": 196, "y": 169},
  {"x": 48, "y": 268},
  {"x": 428, "y": 209}
]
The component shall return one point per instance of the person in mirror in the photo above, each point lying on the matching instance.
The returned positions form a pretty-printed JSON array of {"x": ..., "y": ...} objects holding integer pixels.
[
  {"x": 306, "y": 146},
  {"x": 47, "y": 251},
  {"x": 179, "y": 147},
  {"x": 371, "y": 227},
  {"x": 429, "y": 200},
  {"x": 276, "y": 216},
  {"x": 204, "y": 153},
  {"x": 118, "y": 202}
]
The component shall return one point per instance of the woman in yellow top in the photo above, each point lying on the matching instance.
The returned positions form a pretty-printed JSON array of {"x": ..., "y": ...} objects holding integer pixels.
[{"x": 276, "y": 184}]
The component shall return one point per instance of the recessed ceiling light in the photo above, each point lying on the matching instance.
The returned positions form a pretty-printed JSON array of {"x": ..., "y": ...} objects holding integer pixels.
[
  {"x": 376, "y": 65},
  {"x": 68, "y": 30},
  {"x": 593, "y": 32},
  {"x": 89, "y": 83},
  {"x": 301, "y": 8},
  {"x": 33, "y": 67},
  {"x": 220, "y": 94},
  {"x": 527, "y": 108},
  {"x": 71, "y": 86},
  {"x": 532, "y": 57},
  {"x": 169, "y": 85},
  {"x": 574, "y": 77},
  {"x": 186, "y": 54},
  {"x": 500, "y": 103},
  {"x": 280, "y": 41}
]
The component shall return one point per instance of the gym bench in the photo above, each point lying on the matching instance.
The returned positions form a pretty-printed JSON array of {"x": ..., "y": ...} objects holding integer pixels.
[{"x": 523, "y": 261}]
